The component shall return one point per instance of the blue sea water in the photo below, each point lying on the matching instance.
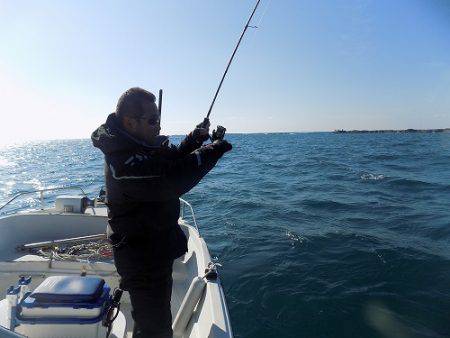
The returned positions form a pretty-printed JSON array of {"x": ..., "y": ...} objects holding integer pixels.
[{"x": 319, "y": 234}]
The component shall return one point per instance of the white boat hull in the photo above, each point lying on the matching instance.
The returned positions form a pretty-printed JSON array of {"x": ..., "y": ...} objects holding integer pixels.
[{"x": 209, "y": 317}]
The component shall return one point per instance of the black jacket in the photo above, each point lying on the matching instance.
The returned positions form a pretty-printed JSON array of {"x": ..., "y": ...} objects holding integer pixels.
[{"x": 144, "y": 183}]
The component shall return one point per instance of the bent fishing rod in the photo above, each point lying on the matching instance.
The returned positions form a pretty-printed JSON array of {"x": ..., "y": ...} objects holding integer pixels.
[
  {"x": 247, "y": 26},
  {"x": 220, "y": 132}
]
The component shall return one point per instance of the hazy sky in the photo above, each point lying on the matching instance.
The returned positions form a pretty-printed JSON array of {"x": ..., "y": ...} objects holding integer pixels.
[{"x": 311, "y": 65}]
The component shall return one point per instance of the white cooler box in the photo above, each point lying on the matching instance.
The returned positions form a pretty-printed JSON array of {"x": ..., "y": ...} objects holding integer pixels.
[{"x": 64, "y": 306}]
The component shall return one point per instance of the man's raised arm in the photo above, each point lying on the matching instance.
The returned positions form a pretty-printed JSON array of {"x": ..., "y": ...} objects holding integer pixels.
[
  {"x": 143, "y": 178},
  {"x": 195, "y": 138}
]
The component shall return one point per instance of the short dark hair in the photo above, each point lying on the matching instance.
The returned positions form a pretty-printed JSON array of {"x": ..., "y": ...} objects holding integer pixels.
[{"x": 130, "y": 103}]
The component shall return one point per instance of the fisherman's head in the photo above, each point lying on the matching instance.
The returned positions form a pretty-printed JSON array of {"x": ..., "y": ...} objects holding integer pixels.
[{"x": 138, "y": 114}]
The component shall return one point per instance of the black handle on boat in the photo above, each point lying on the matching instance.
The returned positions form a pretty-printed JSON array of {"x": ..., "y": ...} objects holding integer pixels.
[
  {"x": 231, "y": 59},
  {"x": 110, "y": 316}
]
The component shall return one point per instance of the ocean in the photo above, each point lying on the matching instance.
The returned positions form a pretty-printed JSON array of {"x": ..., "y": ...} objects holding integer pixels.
[{"x": 319, "y": 234}]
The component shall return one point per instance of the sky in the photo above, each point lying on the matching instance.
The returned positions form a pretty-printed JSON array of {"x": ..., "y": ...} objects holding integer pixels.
[{"x": 311, "y": 65}]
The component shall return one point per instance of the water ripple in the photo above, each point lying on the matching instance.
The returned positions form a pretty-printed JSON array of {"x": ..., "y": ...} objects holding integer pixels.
[{"x": 320, "y": 235}]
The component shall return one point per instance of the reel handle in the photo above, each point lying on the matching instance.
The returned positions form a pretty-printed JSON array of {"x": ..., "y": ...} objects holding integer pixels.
[{"x": 218, "y": 133}]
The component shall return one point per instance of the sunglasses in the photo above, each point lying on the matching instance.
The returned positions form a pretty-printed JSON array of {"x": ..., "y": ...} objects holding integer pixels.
[{"x": 154, "y": 120}]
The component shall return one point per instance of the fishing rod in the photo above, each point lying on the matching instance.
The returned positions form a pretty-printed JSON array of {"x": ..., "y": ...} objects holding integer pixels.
[{"x": 247, "y": 25}]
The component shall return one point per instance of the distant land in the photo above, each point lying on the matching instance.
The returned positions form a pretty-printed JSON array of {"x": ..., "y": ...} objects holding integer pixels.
[{"x": 342, "y": 131}]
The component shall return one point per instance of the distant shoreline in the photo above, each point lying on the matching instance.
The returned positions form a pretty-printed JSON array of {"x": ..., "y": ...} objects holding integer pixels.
[
  {"x": 443, "y": 130},
  {"x": 337, "y": 131}
]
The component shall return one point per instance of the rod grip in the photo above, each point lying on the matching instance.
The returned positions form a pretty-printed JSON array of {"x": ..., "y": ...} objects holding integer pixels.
[{"x": 205, "y": 123}]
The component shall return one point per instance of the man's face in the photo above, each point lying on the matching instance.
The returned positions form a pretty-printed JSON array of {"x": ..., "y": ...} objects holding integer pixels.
[{"x": 147, "y": 126}]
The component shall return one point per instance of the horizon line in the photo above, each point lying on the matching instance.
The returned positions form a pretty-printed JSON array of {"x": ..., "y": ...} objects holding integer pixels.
[{"x": 237, "y": 133}]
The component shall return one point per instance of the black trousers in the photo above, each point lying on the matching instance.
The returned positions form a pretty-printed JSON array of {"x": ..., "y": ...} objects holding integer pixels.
[{"x": 149, "y": 284}]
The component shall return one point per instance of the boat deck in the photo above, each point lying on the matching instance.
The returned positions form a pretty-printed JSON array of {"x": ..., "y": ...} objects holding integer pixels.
[{"x": 208, "y": 316}]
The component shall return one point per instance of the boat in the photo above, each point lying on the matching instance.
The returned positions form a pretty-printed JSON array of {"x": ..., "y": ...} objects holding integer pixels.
[{"x": 53, "y": 290}]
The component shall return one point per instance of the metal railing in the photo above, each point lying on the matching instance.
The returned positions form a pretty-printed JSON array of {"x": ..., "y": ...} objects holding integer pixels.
[
  {"x": 183, "y": 203},
  {"x": 41, "y": 194},
  {"x": 187, "y": 204}
]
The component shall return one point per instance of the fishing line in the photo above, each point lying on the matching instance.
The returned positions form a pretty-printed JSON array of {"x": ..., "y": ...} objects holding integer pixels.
[
  {"x": 206, "y": 120},
  {"x": 258, "y": 24},
  {"x": 263, "y": 14}
]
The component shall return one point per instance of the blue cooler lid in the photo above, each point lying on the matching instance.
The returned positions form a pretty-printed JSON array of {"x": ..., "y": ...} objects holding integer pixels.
[{"x": 69, "y": 289}]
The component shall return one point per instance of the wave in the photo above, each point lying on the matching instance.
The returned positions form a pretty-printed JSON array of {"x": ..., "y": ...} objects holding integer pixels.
[
  {"x": 328, "y": 205},
  {"x": 412, "y": 184},
  {"x": 372, "y": 177},
  {"x": 5, "y": 163},
  {"x": 295, "y": 239},
  {"x": 311, "y": 221},
  {"x": 381, "y": 157}
]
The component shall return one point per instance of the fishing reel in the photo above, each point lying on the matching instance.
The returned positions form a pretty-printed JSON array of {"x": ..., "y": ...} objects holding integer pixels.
[{"x": 218, "y": 133}]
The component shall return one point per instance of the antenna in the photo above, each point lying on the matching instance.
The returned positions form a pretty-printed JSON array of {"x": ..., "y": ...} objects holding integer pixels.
[{"x": 160, "y": 101}]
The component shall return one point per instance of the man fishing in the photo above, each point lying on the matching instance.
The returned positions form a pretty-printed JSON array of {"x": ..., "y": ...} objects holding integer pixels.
[{"x": 145, "y": 176}]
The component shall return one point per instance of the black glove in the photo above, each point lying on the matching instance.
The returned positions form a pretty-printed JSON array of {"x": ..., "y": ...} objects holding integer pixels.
[
  {"x": 222, "y": 146},
  {"x": 201, "y": 132},
  {"x": 204, "y": 124},
  {"x": 199, "y": 135}
]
